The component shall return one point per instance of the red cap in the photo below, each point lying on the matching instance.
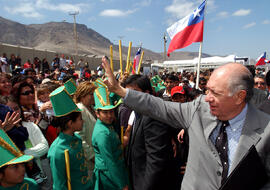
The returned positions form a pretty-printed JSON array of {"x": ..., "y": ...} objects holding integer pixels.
[
  {"x": 177, "y": 90},
  {"x": 75, "y": 75}
]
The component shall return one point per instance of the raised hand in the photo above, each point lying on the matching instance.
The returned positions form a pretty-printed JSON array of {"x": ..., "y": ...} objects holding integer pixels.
[
  {"x": 110, "y": 81},
  {"x": 10, "y": 121}
]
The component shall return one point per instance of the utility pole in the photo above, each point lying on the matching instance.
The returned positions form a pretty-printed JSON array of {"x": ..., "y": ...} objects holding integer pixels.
[
  {"x": 165, "y": 41},
  {"x": 74, "y": 14}
]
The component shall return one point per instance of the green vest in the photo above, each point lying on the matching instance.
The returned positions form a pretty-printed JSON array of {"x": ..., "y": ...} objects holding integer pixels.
[
  {"x": 78, "y": 169},
  {"x": 110, "y": 172}
]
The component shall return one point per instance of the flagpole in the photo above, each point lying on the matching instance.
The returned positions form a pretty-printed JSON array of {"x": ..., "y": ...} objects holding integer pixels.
[
  {"x": 200, "y": 53},
  {"x": 198, "y": 66}
]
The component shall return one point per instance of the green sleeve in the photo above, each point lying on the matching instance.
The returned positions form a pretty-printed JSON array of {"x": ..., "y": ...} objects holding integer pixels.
[
  {"x": 114, "y": 162},
  {"x": 58, "y": 167}
]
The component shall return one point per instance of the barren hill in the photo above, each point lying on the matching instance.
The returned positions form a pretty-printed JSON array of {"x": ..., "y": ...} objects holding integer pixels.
[{"x": 58, "y": 36}]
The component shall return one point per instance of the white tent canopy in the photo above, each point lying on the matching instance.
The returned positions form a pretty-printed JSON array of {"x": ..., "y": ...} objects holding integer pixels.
[{"x": 208, "y": 62}]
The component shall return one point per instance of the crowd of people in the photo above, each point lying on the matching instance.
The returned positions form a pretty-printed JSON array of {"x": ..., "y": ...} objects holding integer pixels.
[{"x": 61, "y": 130}]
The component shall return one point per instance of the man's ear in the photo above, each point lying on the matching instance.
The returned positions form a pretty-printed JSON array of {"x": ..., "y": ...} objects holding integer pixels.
[{"x": 241, "y": 95}]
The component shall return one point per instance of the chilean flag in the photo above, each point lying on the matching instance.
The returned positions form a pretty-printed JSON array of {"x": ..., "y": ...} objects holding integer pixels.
[
  {"x": 136, "y": 61},
  {"x": 187, "y": 30},
  {"x": 261, "y": 60}
]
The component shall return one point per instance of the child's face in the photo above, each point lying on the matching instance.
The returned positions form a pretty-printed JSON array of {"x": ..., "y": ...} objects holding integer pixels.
[
  {"x": 44, "y": 97},
  {"x": 12, "y": 175},
  {"x": 106, "y": 116}
]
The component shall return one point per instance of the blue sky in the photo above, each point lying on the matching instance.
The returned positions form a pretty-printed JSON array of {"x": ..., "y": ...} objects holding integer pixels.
[{"x": 231, "y": 27}]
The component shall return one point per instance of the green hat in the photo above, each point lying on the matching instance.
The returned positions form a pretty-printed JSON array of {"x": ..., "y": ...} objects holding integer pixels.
[
  {"x": 62, "y": 102},
  {"x": 10, "y": 153},
  {"x": 99, "y": 83},
  {"x": 71, "y": 86},
  {"x": 103, "y": 100},
  {"x": 154, "y": 80},
  {"x": 159, "y": 87}
]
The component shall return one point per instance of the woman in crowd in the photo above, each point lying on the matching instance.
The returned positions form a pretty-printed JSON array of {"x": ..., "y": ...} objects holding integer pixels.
[
  {"x": 5, "y": 84},
  {"x": 26, "y": 98},
  {"x": 37, "y": 146},
  {"x": 85, "y": 101}
]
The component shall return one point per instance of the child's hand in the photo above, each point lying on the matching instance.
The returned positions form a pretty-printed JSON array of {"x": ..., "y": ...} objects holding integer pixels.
[
  {"x": 46, "y": 106},
  {"x": 10, "y": 121}
]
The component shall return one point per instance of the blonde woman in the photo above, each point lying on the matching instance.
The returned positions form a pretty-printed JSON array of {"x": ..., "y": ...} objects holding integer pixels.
[{"x": 84, "y": 99}]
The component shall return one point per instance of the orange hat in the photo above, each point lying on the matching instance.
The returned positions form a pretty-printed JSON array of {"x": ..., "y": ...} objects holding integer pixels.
[{"x": 177, "y": 90}]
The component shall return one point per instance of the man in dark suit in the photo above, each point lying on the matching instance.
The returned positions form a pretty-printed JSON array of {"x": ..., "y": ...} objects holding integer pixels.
[
  {"x": 224, "y": 110},
  {"x": 150, "y": 152}
]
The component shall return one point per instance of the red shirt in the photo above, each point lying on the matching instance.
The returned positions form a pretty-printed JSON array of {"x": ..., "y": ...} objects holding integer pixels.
[{"x": 27, "y": 65}]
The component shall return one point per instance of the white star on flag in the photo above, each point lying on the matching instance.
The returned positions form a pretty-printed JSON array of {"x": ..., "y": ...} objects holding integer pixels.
[{"x": 196, "y": 12}]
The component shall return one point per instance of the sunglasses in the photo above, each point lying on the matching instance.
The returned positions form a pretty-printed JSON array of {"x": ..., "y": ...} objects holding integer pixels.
[
  {"x": 261, "y": 83},
  {"x": 27, "y": 92}
]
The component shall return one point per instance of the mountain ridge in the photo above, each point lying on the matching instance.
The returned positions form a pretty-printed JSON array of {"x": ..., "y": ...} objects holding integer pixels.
[{"x": 58, "y": 36}]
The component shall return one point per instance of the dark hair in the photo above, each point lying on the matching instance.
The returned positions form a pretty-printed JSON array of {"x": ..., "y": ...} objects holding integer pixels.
[
  {"x": 251, "y": 69},
  {"x": 202, "y": 79},
  {"x": 267, "y": 78},
  {"x": 2, "y": 170},
  {"x": 63, "y": 120},
  {"x": 22, "y": 85},
  {"x": 67, "y": 77},
  {"x": 260, "y": 76},
  {"x": 172, "y": 77},
  {"x": 193, "y": 93},
  {"x": 141, "y": 81},
  {"x": 26, "y": 71}
]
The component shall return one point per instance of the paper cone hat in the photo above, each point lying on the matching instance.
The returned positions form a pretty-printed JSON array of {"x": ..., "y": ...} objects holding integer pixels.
[
  {"x": 103, "y": 100},
  {"x": 70, "y": 86},
  {"x": 10, "y": 153},
  {"x": 62, "y": 102}
]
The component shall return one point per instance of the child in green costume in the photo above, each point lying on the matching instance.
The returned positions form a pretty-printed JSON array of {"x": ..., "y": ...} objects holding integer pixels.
[
  {"x": 110, "y": 172},
  {"x": 12, "y": 169},
  {"x": 69, "y": 119}
]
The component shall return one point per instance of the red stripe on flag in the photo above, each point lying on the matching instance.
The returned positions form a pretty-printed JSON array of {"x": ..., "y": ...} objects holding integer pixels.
[
  {"x": 134, "y": 66},
  {"x": 260, "y": 62},
  {"x": 190, "y": 34}
]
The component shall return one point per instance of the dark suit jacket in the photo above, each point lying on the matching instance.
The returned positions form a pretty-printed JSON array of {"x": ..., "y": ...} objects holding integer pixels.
[
  {"x": 150, "y": 156},
  {"x": 265, "y": 106},
  {"x": 258, "y": 97}
]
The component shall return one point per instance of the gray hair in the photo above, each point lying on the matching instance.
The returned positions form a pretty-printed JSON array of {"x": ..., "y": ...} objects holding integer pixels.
[{"x": 241, "y": 81}]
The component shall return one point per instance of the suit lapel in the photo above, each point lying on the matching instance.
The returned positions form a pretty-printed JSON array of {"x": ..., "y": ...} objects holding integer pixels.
[
  {"x": 209, "y": 123},
  {"x": 249, "y": 136}
]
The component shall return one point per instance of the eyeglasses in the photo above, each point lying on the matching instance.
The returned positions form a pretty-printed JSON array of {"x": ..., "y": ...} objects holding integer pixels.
[
  {"x": 261, "y": 83},
  {"x": 27, "y": 92}
]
